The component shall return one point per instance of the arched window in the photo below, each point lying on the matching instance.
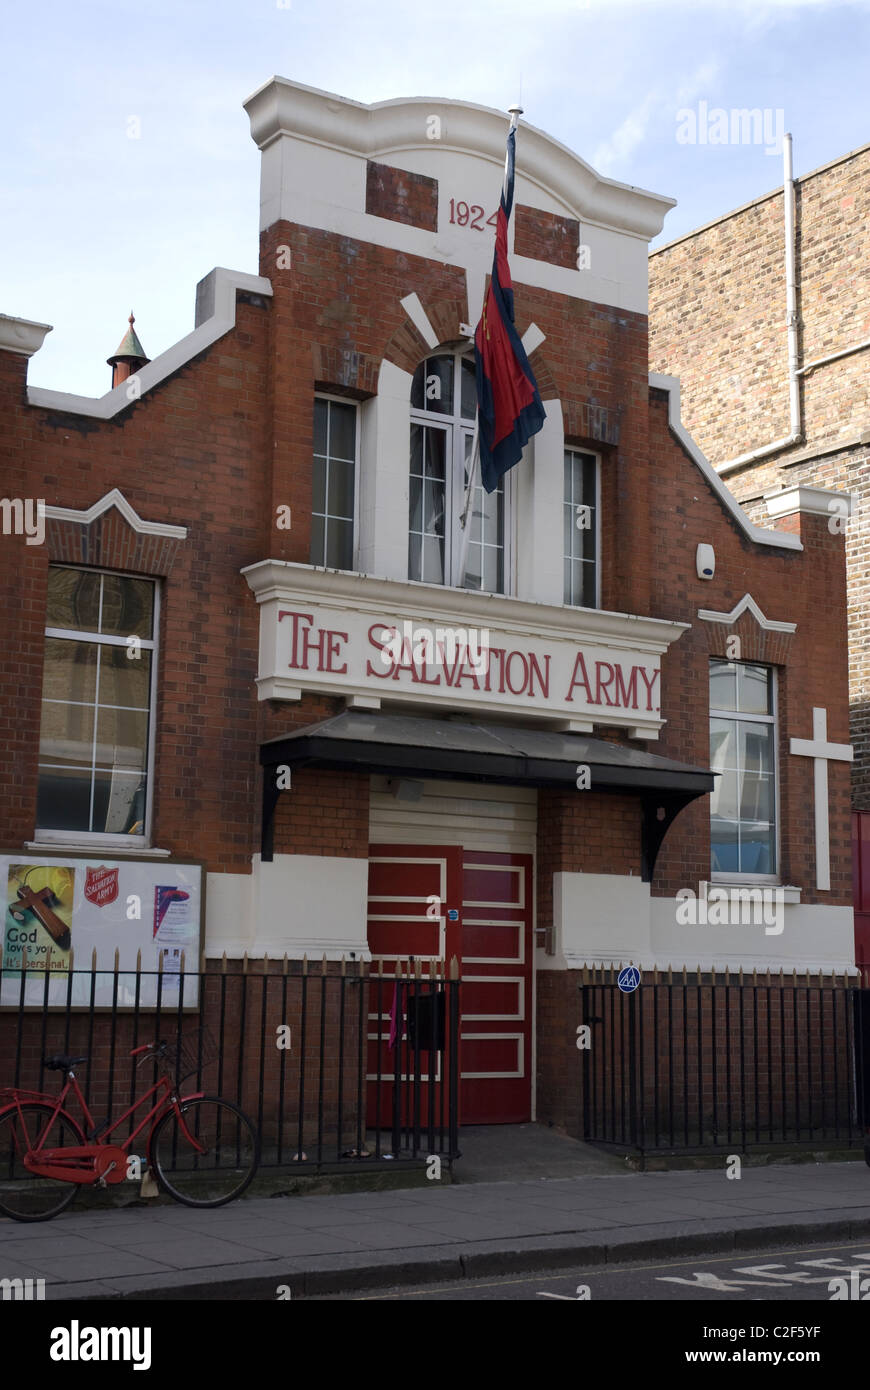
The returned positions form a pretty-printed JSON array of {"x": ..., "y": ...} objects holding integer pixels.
[{"x": 443, "y": 405}]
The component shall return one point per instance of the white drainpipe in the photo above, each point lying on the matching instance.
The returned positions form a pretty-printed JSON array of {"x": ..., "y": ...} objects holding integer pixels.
[{"x": 795, "y": 435}]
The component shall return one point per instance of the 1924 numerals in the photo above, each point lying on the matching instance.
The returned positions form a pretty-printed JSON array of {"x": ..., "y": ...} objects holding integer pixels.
[{"x": 471, "y": 215}]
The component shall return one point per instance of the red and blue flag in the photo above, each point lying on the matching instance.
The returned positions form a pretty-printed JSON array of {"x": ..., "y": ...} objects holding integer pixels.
[{"x": 509, "y": 407}]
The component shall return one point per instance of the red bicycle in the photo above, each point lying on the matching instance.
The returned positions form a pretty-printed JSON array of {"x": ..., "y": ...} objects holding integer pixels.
[{"x": 203, "y": 1150}]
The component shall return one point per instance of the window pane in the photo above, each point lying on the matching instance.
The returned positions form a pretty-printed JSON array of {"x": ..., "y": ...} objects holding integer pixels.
[
  {"x": 122, "y": 681},
  {"x": 415, "y": 495},
  {"x": 433, "y": 514},
  {"x": 341, "y": 489},
  {"x": 122, "y": 738},
  {"x": 588, "y": 598},
  {"x": 119, "y": 803},
  {"x": 433, "y": 559},
  {"x": 321, "y": 413},
  {"x": 723, "y": 685},
  {"x": 468, "y": 376},
  {"x": 318, "y": 485},
  {"x": 589, "y": 479},
  {"x": 342, "y": 431},
  {"x": 417, "y": 435},
  {"x": 756, "y": 797},
  {"x": 318, "y": 533},
  {"x": 339, "y": 544},
  {"x": 436, "y": 448},
  {"x": 63, "y": 799},
  {"x": 584, "y": 530},
  {"x": 723, "y": 745},
  {"x": 492, "y": 570},
  {"x": 757, "y": 849},
  {"x": 70, "y": 670},
  {"x": 723, "y": 797},
  {"x": 128, "y": 606},
  {"x": 725, "y": 847},
  {"x": 73, "y": 599},
  {"x": 418, "y": 388},
  {"x": 66, "y": 734},
  {"x": 438, "y": 386},
  {"x": 753, "y": 689},
  {"x": 756, "y": 747},
  {"x": 415, "y": 556}
]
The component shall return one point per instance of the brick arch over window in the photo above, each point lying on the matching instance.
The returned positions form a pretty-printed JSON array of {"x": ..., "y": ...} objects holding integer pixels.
[
  {"x": 111, "y": 535},
  {"x": 543, "y": 376},
  {"x": 767, "y": 647},
  {"x": 407, "y": 347},
  {"x": 597, "y": 424},
  {"x": 344, "y": 370}
]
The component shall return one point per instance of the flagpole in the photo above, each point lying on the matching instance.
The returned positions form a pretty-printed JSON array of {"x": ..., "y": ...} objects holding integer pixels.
[{"x": 515, "y": 112}]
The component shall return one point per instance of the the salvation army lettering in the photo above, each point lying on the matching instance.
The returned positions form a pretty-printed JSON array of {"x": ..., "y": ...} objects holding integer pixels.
[
  {"x": 387, "y": 642},
  {"x": 323, "y": 649}
]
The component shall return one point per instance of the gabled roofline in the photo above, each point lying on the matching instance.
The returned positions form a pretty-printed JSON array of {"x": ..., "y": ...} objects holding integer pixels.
[
  {"x": 215, "y": 297},
  {"x": 281, "y": 107},
  {"x": 782, "y": 540}
]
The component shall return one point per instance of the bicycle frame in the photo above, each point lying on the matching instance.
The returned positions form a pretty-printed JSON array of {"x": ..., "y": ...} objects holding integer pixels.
[{"x": 82, "y": 1163}]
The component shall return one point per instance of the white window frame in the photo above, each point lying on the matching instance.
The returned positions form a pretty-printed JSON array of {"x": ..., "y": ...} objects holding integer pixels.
[
  {"x": 588, "y": 453},
  {"x": 458, "y": 427},
  {"x": 98, "y": 838},
  {"x": 350, "y": 401},
  {"x": 732, "y": 876}
]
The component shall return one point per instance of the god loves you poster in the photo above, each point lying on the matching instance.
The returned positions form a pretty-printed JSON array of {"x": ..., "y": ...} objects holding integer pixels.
[{"x": 38, "y": 923}]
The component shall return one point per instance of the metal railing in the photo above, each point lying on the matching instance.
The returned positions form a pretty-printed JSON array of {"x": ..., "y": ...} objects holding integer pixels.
[
  {"x": 338, "y": 1063},
  {"x": 706, "y": 1061}
]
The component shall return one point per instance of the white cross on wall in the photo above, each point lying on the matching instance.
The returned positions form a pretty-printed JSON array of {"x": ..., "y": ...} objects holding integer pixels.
[{"x": 820, "y": 751}]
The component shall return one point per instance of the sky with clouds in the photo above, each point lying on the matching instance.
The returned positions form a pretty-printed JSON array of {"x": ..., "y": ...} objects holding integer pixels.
[{"x": 95, "y": 222}]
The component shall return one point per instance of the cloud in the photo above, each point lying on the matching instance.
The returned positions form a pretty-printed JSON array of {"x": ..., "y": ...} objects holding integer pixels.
[{"x": 659, "y": 101}]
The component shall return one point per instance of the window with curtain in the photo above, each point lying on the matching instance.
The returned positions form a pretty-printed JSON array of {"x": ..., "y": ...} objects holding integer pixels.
[
  {"x": 97, "y": 704},
  {"x": 743, "y": 754},
  {"x": 443, "y": 406}
]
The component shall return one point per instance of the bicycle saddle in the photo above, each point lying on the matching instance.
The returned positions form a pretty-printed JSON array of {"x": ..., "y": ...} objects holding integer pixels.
[{"x": 61, "y": 1062}]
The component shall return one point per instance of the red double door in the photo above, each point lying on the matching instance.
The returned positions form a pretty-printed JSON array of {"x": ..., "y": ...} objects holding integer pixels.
[{"x": 434, "y": 902}]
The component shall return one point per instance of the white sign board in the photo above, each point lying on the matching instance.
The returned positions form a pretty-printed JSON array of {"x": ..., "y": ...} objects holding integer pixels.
[
  {"x": 580, "y": 667},
  {"x": 59, "y": 909}
]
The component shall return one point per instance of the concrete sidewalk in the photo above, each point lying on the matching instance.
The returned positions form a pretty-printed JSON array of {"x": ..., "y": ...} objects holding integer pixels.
[{"x": 374, "y": 1239}]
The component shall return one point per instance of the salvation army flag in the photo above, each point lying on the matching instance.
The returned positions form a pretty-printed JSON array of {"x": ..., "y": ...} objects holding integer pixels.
[{"x": 509, "y": 408}]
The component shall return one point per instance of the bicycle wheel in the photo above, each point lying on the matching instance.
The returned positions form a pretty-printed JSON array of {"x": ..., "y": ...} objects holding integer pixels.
[
  {"x": 225, "y": 1167},
  {"x": 23, "y": 1196}
]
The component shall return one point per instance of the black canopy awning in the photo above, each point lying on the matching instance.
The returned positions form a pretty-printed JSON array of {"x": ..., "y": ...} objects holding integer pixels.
[{"x": 409, "y": 746}]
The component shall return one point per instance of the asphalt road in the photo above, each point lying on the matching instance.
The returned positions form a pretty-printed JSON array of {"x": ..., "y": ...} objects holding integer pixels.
[{"x": 790, "y": 1274}]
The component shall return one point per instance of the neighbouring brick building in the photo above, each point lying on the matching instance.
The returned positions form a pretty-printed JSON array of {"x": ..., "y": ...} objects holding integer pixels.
[
  {"x": 270, "y": 509},
  {"x": 718, "y": 321}
]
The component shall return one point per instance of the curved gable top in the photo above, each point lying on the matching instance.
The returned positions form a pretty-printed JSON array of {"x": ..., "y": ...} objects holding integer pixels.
[{"x": 281, "y": 108}]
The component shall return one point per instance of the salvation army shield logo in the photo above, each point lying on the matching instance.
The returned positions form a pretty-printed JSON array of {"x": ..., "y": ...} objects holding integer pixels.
[{"x": 101, "y": 885}]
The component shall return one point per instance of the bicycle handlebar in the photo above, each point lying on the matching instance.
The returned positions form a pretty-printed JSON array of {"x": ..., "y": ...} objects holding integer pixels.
[{"x": 155, "y": 1049}]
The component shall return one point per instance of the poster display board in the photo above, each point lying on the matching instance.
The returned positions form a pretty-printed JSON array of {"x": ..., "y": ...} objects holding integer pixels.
[{"x": 59, "y": 908}]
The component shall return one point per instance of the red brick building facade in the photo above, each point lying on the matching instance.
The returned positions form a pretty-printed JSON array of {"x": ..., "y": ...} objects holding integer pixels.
[{"x": 288, "y": 478}]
